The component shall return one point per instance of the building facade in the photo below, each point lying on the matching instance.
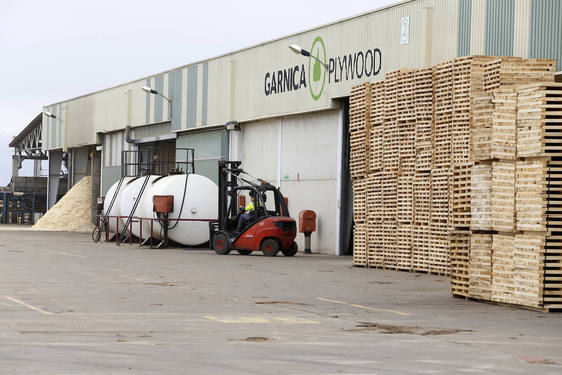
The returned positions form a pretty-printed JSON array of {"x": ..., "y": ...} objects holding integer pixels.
[{"x": 290, "y": 110}]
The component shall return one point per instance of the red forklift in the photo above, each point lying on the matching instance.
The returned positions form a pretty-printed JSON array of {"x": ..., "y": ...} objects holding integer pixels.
[{"x": 269, "y": 229}]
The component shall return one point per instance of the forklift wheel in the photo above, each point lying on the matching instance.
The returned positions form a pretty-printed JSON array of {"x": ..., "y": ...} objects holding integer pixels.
[
  {"x": 269, "y": 247},
  {"x": 244, "y": 252},
  {"x": 291, "y": 251},
  {"x": 221, "y": 244}
]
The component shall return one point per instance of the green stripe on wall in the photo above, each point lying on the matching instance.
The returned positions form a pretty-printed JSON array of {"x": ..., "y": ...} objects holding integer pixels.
[
  {"x": 191, "y": 96},
  {"x": 158, "y": 100},
  {"x": 500, "y": 15},
  {"x": 205, "y": 90},
  {"x": 175, "y": 95},
  {"x": 545, "y": 41},
  {"x": 147, "y": 103},
  {"x": 465, "y": 19}
]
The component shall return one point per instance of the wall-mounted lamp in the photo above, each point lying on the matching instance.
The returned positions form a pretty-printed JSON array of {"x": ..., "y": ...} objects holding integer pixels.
[
  {"x": 150, "y": 90},
  {"x": 300, "y": 51},
  {"x": 51, "y": 115}
]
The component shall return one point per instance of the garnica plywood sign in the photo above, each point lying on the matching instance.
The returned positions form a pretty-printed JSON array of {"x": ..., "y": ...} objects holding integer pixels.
[{"x": 323, "y": 69}]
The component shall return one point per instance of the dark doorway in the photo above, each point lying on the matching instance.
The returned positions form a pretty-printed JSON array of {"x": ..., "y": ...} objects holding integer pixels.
[{"x": 346, "y": 219}]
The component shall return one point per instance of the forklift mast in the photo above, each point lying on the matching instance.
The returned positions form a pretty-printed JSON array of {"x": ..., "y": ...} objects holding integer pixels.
[{"x": 227, "y": 181}]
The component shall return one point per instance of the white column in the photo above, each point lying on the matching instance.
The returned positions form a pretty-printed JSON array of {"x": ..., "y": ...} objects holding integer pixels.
[
  {"x": 337, "y": 246},
  {"x": 279, "y": 153}
]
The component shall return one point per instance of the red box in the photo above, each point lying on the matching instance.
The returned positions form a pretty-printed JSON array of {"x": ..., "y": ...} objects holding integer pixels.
[
  {"x": 307, "y": 221},
  {"x": 163, "y": 203}
]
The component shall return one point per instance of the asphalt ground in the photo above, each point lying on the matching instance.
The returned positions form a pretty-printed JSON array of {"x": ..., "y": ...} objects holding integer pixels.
[{"x": 69, "y": 306}]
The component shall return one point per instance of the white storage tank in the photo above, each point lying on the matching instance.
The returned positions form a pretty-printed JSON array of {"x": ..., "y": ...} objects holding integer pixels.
[
  {"x": 127, "y": 200},
  {"x": 200, "y": 202},
  {"x": 115, "y": 208}
]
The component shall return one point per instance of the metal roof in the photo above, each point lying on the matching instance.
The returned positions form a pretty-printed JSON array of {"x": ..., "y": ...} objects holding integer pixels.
[{"x": 36, "y": 122}]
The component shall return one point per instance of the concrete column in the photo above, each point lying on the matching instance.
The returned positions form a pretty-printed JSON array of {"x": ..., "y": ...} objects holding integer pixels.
[
  {"x": 55, "y": 162},
  {"x": 37, "y": 168},
  {"x": 80, "y": 164},
  {"x": 15, "y": 166},
  {"x": 95, "y": 167}
]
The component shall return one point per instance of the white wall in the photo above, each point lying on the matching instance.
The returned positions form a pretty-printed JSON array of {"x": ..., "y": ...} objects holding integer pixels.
[{"x": 308, "y": 165}]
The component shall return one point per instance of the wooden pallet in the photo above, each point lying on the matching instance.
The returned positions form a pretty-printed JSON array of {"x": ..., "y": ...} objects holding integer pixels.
[
  {"x": 531, "y": 199},
  {"x": 539, "y": 120},
  {"x": 422, "y": 198},
  {"x": 360, "y": 245},
  {"x": 517, "y": 71},
  {"x": 389, "y": 244},
  {"x": 528, "y": 269},
  {"x": 421, "y": 247},
  {"x": 406, "y": 95},
  {"x": 439, "y": 240},
  {"x": 374, "y": 197},
  {"x": 460, "y": 257},
  {"x": 481, "y": 197},
  {"x": 552, "y": 296},
  {"x": 440, "y": 193},
  {"x": 482, "y": 119},
  {"x": 391, "y": 146},
  {"x": 405, "y": 198},
  {"x": 492, "y": 74},
  {"x": 503, "y": 283},
  {"x": 503, "y": 196},
  {"x": 461, "y": 195},
  {"x": 404, "y": 247},
  {"x": 480, "y": 266},
  {"x": 377, "y": 103},
  {"x": 375, "y": 247},
  {"x": 389, "y": 196},
  {"x": 504, "y": 123},
  {"x": 359, "y": 201},
  {"x": 424, "y": 119},
  {"x": 376, "y": 149},
  {"x": 359, "y": 130}
]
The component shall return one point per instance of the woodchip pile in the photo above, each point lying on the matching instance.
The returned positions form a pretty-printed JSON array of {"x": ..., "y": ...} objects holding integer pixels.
[
  {"x": 72, "y": 213},
  {"x": 457, "y": 170}
]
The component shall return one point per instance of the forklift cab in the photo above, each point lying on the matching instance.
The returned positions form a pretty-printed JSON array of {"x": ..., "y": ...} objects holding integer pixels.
[
  {"x": 268, "y": 227},
  {"x": 267, "y": 202}
]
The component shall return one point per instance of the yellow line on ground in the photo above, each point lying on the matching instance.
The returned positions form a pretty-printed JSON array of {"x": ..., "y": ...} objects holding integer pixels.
[
  {"x": 28, "y": 306},
  {"x": 362, "y": 307}
]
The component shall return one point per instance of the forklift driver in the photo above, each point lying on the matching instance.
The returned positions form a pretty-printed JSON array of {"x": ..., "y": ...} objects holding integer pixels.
[{"x": 247, "y": 215}]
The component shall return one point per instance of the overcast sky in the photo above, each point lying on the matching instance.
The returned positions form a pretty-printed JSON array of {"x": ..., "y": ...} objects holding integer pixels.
[{"x": 56, "y": 50}]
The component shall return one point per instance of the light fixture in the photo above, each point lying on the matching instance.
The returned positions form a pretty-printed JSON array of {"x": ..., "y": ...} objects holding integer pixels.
[
  {"x": 51, "y": 115},
  {"x": 300, "y": 51},
  {"x": 150, "y": 90},
  {"x": 233, "y": 125}
]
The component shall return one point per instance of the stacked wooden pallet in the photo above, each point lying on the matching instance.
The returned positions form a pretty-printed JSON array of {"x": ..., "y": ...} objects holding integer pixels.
[
  {"x": 538, "y": 256},
  {"x": 437, "y": 157}
]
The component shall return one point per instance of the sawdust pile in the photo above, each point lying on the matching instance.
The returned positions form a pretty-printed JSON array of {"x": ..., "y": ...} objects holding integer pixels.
[{"x": 72, "y": 212}]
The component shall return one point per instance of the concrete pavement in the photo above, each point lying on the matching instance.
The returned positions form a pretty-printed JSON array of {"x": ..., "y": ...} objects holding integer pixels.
[{"x": 69, "y": 306}]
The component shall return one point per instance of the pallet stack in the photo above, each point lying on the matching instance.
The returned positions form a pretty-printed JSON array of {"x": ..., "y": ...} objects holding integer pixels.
[
  {"x": 421, "y": 247},
  {"x": 448, "y": 177},
  {"x": 538, "y": 250},
  {"x": 358, "y": 127}
]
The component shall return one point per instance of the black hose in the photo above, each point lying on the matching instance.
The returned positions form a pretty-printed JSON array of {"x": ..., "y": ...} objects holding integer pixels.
[{"x": 182, "y": 202}]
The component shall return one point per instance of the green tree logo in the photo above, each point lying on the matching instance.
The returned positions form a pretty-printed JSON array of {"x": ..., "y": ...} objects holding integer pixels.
[{"x": 317, "y": 80}]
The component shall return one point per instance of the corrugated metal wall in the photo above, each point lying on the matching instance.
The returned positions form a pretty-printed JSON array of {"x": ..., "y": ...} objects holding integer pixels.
[
  {"x": 546, "y": 30},
  {"x": 234, "y": 86},
  {"x": 465, "y": 20},
  {"x": 499, "y": 27}
]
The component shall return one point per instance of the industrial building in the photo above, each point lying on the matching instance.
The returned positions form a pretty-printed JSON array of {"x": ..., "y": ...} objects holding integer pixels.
[{"x": 285, "y": 115}]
